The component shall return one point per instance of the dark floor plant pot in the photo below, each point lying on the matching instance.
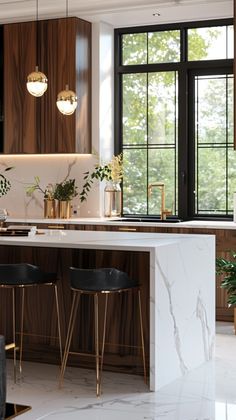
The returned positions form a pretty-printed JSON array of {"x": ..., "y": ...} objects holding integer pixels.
[{"x": 2, "y": 378}]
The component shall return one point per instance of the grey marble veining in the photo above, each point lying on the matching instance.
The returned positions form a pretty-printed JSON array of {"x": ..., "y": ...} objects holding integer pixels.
[{"x": 206, "y": 393}]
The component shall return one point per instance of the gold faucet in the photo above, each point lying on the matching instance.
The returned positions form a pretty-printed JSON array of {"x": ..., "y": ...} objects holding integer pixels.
[{"x": 164, "y": 212}]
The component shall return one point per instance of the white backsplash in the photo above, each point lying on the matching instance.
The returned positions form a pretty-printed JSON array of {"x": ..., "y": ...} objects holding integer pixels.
[{"x": 50, "y": 169}]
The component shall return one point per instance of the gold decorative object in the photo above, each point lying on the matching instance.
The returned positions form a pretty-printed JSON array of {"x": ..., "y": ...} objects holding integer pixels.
[
  {"x": 37, "y": 83},
  {"x": 49, "y": 209},
  {"x": 64, "y": 209},
  {"x": 67, "y": 101}
]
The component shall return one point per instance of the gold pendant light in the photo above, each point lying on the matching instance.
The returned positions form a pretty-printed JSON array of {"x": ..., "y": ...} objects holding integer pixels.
[
  {"x": 37, "y": 81},
  {"x": 66, "y": 99}
]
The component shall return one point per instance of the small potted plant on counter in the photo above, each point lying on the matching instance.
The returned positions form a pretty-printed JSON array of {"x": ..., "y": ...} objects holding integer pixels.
[
  {"x": 64, "y": 192},
  {"x": 48, "y": 194},
  {"x": 112, "y": 172},
  {"x": 227, "y": 268}
]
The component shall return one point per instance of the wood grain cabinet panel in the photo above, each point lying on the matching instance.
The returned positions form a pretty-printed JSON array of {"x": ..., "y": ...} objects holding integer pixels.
[
  {"x": 63, "y": 50},
  {"x": 19, "y": 106}
]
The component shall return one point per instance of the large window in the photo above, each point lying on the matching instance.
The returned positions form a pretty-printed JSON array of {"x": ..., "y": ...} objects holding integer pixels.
[{"x": 174, "y": 119}]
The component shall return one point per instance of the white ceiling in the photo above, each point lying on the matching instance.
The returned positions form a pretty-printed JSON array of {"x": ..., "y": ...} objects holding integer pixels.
[{"x": 118, "y": 13}]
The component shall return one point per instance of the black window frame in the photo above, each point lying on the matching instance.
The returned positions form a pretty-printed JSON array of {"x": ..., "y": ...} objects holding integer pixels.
[{"x": 185, "y": 69}]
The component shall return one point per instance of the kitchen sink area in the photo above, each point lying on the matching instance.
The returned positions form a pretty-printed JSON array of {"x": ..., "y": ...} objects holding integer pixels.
[{"x": 146, "y": 219}]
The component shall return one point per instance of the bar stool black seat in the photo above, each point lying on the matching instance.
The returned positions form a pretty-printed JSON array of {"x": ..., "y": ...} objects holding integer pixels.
[
  {"x": 22, "y": 276},
  {"x": 96, "y": 282}
]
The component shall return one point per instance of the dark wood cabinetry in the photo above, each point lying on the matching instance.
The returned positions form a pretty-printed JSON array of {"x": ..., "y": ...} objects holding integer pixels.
[{"x": 62, "y": 50}]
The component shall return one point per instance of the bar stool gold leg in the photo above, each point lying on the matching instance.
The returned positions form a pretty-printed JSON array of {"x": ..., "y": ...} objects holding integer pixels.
[
  {"x": 142, "y": 336},
  {"x": 104, "y": 333},
  {"x": 22, "y": 326},
  {"x": 14, "y": 329},
  {"x": 58, "y": 320},
  {"x": 98, "y": 385},
  {"x": 75, "y": 303}
]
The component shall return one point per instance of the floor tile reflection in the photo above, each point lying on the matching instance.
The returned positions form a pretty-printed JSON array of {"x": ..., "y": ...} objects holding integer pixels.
[{"x": 207, "y": 393}]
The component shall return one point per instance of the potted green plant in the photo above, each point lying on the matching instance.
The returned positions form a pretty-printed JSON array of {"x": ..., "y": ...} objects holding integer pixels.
[
  {"x": 112, "y": 172},
  {"x": 64, "y": 192},
  {"x": 227, "y": 268},
  {"x": 48, "y": 194}
]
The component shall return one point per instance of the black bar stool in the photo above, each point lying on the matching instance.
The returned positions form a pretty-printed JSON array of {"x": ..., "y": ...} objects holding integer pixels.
[
  {"x": 22, "y": 276},
  {"x": 97, "y": 282}
]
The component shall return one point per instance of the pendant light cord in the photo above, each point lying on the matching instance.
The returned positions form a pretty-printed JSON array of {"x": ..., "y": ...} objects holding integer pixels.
[{"x": 67, "y": 53}]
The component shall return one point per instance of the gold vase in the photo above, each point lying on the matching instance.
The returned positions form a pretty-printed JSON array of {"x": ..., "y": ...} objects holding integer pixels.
[
  {"x": 49, "y": 209},
  {"x": 64, "y": 209}
]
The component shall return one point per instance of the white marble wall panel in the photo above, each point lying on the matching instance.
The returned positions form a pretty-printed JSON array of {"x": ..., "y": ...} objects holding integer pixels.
[{"x": 50, "y": 169}]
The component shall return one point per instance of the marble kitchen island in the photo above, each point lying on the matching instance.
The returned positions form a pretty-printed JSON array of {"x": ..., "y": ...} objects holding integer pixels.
[{"x": 181, "y": 289}]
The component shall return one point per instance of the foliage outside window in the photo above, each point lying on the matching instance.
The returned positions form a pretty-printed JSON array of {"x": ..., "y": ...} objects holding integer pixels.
[{"x": 175, "y": 102}]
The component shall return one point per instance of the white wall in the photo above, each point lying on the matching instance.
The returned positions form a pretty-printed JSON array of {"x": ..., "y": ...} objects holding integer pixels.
[{"x": 54, "y": 168}]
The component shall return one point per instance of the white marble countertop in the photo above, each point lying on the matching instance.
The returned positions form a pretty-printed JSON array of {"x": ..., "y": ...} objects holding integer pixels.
[
  {"x": 181, "y": 330},
  {"x": 200, "y": 224},
  {"x": 132, "y": 241}
]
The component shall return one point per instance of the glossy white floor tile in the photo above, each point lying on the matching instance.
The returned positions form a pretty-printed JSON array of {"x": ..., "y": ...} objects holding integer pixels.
[{"x": 207, "y": 393}]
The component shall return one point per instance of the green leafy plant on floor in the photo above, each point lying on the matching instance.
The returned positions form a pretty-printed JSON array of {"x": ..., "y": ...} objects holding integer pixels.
[
  {"x": 111, "y": 171},
  {"x": 228, "y": 269},
  {"x": 5, "y": 184}
]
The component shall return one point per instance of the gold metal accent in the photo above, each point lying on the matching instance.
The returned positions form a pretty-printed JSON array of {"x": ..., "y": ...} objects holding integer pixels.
[
  {"x": 22, "y": 326},
  {"x": 37, "y": 76},
  {"x": 67, "y": 101},
  {"x": 56, "y": 227},
  {"x": 49, "y": 209},
  {"x": 127, "y": 229},
  {"x": 142, "y": 336},
  {"x": 14, "y": 330},
  {"x": 96, "y": 337},
  {"x": 104, "y": 330},
  {"x": 64, "y": 209},
  {"x": 22, "y": 334},
  {"x": 37, "y": 83},
  {"x": 10, "y": 346},
  {"x": 99, "y": 357},
  {"x": 58, "y": 319},
  {"x": 164, "y": 212}
]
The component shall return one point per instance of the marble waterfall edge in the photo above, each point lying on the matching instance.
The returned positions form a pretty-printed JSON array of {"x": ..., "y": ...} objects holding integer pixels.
[{"x": 182, "y": 308}]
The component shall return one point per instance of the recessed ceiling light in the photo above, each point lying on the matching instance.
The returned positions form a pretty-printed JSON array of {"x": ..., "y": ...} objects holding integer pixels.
[{"x": 156, "y": 14}]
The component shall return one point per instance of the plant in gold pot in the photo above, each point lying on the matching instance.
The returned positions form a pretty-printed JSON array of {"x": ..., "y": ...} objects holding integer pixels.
[
  {"x": 48, "y": 194},
  {"x": 64, "y": 192}
]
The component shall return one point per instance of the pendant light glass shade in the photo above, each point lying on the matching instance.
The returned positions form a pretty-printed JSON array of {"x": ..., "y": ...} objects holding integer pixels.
[
  {"x": 67, "y": 101},
  {"x": 37, "y": 83}
]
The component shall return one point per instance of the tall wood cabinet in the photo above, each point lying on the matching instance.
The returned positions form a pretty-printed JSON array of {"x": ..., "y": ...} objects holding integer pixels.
[{"x": 62, "y": 50}]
